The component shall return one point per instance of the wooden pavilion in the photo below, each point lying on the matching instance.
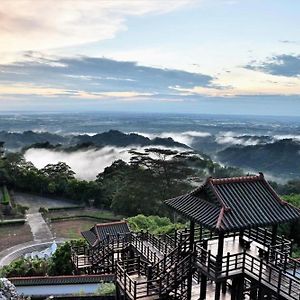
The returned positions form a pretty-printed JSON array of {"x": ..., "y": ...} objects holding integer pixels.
[
  {"x": 232, "y": 207},
  {"x": 230, "y": 251}
]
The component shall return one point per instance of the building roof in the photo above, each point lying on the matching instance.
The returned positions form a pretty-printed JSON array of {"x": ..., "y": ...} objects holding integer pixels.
[
  {"x": 67, "y": 279},
  {"x": 99, "y": 232},
  {"x": 232, "y": 204}
]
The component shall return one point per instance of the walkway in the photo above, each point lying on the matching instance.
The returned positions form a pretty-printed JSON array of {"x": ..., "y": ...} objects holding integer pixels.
[{"x": 39, "y": 228}]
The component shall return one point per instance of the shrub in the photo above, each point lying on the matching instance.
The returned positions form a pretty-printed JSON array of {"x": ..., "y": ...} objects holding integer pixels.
[
  {"x": 106, "y": 289},
  {"x": 154, "y": 224}
]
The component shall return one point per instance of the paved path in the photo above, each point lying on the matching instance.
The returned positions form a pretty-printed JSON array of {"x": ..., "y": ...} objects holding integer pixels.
[{"x": 39, "y": 228}]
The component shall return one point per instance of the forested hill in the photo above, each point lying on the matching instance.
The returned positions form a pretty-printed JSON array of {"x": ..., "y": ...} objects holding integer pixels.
[
  {"x": 281, "y": 158},
  {"x": 120, "y": 139},
  {"x": 16, "y": 141}
]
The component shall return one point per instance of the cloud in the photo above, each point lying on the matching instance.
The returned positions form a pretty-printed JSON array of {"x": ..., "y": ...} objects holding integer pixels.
[
  {"x": 87, "y": 164},
  {"x": 230, "y": 138},
  {"x": 280, "y": 65},
  {"x": 92, "y": 78},
  {"x": 38, "y": 25},
  {"x": 287, "y": 136},
  {"x": 186, "y": 137}
]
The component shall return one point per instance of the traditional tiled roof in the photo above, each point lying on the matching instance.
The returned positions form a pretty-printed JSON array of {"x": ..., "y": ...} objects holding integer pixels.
[
  {"x": 99, "y": 232},
  {"x": 70, "y": 279},
  {"x": 235, "y": 203}
]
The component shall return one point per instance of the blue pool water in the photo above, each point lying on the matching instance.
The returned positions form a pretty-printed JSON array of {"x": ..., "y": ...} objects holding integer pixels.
[{"x": 67, "y": 289}]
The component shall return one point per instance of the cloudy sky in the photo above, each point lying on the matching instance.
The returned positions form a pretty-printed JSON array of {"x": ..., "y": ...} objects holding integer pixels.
[{"x": 205, "y": 56}]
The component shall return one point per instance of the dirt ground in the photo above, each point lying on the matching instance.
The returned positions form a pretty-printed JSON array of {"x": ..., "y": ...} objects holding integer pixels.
[
  {"x": 14, "y": 235},
  {"x": 71, "y": 228}
]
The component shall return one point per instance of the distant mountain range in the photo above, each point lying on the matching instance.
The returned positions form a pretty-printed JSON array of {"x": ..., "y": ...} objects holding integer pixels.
[
  {"x": 27, "y": 139},
  {"x": 280, "y": 158}
]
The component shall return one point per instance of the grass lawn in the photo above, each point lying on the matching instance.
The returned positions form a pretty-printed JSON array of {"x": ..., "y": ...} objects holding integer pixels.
[
  {"x": 13, "y": 235},
  {"x": 71, "y": 228}
]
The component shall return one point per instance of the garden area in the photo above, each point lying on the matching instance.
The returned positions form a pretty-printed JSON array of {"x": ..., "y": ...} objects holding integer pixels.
[
  {"x": 11, "y": 235},
  {"x": 70, "y": 222}
]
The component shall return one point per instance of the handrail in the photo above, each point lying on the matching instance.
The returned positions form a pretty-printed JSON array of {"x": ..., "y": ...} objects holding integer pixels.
[
  {"x": 276, "y": 278},
  {"x": 137, "y": 290},
  {"x": 287, "y": 264},
  {"x": 264, "y": 236},
  {"x": 173, "y": 257},
  {"x": 138, "y": 243},
  {"x": 281, "y": 278},
  {"x": 156, "y": 242}
]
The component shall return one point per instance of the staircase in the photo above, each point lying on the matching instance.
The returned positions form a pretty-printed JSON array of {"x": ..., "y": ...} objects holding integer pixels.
[{"x": 162, "y": 270}]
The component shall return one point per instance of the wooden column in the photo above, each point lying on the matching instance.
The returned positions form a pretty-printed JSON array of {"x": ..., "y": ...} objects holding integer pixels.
[
  {"x": 203, "y": 285},
  {"x": 219, "y": 263},
  {"x": 237, "y": 288},
  {"x": 191, "y": 250},
  {"x": 240, "y": 289},
  {"x": 241, "y": 236},
  {"x": 224, "y": 287},
  {"x": 220, "y": 246},
  {"x": 253, "y": 291},
  {"x": 233, "y": 288},
  {"x": 274, "y": 234},
  {"x": 192, "y": 235}
]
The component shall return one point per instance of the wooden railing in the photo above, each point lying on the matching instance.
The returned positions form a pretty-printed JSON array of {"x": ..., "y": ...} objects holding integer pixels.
[
  {"x": 171, "y": 259},
  {"x": 167, "y": 282},
  {"x": 178, "y": 273},
  {"x": 156, "y": 242},
  {"x": 279, "y": 275},
  {"x": 133, "y": 288},
  {"x": 282, "y": 283},
  {"x": 168, "y": 239},
  {"x": 80, "y": 256},
  {"x": 145, "y": 250},
  {"x": 206, "y": 260},
  {"x": 264, "y": 237},
  {"x": 287, "y": 264}
]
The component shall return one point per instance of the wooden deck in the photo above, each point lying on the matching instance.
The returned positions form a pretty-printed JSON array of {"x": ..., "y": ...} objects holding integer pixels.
[{"x": 232, "y": 246}]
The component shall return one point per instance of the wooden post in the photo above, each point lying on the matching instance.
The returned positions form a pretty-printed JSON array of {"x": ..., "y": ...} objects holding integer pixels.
[
  {"x": 224, "y": 287},
  {"x": 200, "y": 233},
  {"x": 274, "y": 234},
  {"x": 240, "y": 287},
  {"x": 220, "y": 251},
  {"x": 253, "y": 291},
  {"x": 219, "y": 264},
  {"x": 192, "y": 235},
  {"x": 203, "y": 287},
  {"x": 241, "y": 237},
  {"x": 218, "y": 291},
  {"x": 191, "y": 248},
  {"x": 233, "y": 288}
]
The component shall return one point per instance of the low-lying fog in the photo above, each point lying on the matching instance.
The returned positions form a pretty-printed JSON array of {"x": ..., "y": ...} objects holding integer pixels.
[{"x": 87, "y": 164}]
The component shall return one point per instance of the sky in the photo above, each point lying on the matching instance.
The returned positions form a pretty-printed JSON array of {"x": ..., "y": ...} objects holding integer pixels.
[{"x": 181, "y": 56}]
